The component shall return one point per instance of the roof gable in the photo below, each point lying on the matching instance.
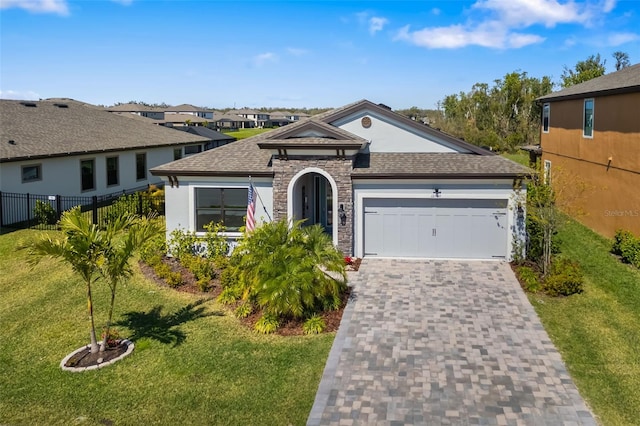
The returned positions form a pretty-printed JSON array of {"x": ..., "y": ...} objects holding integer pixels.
[{"x": 388, "y": 131}]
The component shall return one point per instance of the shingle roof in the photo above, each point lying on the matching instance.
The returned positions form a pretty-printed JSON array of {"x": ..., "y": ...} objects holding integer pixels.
[
  {"x": 133, "y": 108},
  {"x": 404, "y": 165},
  {"x": 186, "y": 108},
  {"x": 205, "y": 132},
  {"x": 244, "y": 157},
  {"x": 46, "y": 130},
  {"x": 182, "y": 118},
  {"x": 625, "y": 80}
]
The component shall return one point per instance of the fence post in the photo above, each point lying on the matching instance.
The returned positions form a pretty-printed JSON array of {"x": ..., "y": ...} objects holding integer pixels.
[
  {"x": 95, "y": 209},
  {"x": 1, "y": 211},
  {"x": 28, "y": 210},
  {"x": 58, "y": 207}
]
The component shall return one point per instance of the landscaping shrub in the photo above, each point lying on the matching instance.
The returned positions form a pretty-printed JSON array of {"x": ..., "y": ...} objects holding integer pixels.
[
  {"x": 44, "y": 213},
  {"x": 314, "y": 325},
  {"x": 174, "y": 279},
  {"x": 529, "y": 279},
  {"x": 151, "y": 253},
  {"x": 564, "y": 279},
  {"x": 216, "y": 242},
  {"x": 267, "y": 324},
  {"x": 243, "y": 310},
  {"x": 230, "y": 295},
  {"x": 183, "y": 243},
  {"x": 290, "y": 271},
  {"x": 627, "y": 246}
]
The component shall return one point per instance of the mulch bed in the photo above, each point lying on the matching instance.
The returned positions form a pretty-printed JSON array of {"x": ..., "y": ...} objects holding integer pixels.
[
  {"x": 85, "y": 358},
  {"x": 292, "y": 327}
]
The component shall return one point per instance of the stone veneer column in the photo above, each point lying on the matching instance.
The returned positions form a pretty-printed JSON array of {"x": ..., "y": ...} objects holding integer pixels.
[{"x": 340, "y": 171}]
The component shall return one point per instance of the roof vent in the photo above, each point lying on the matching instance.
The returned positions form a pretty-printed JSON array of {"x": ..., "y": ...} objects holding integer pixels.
[
  {"x": 61, "y": 105},
  {"x": 12, "y": 142},
  {"x": 385, "y": 106},
  {"x": 29, "y": 104}
]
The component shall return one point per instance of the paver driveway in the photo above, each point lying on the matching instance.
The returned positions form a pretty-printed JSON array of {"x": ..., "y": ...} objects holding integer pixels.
[{"x": 443, "y": 342}]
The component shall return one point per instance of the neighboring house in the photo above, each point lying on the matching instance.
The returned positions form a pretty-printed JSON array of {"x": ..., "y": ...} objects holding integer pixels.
[
  {"x": 590, "y": 141},
  {"x": 379, "y": 183},
  {"x": 180, "y": 119},
  {"x": 258, "y": 118},
  {"x": 297, "y": 116},
  {"x": 190, "y": 110},
  {"x": 231, "y": 121},
  {"x": 279, "y": 118},
  {"x": 215, "y": 140},
  {"x": 72, "y": 149},
  {"x": 137, "y": 109}
]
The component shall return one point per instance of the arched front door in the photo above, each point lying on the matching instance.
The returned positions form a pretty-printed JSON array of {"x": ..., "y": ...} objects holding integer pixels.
[{"x": 312, "y": 197}]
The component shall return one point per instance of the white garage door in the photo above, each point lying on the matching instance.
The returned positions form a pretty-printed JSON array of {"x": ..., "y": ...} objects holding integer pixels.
[{"x": 435, "y": 228}]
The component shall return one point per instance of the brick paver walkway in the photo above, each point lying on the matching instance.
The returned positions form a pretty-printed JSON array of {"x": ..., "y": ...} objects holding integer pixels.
[{"x": 443, "y": 343}]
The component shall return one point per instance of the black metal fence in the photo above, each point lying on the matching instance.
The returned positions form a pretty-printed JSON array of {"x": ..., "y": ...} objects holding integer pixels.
[{"x": 18, "y": 211}]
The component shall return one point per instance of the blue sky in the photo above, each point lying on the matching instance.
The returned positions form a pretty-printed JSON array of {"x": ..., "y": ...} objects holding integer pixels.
[{"x": 297, "y": 53}]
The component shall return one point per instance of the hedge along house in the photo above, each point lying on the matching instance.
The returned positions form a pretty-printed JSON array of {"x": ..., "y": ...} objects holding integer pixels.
[{"x": 380, "y": 184}]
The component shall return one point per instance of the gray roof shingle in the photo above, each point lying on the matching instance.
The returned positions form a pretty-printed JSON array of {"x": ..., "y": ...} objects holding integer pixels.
[
  {"x": 625, "y": 80},
  {"x": 404, "y": 165},
  {"x": 244, "y": 157},
  {"x": 52, "y": 129}
]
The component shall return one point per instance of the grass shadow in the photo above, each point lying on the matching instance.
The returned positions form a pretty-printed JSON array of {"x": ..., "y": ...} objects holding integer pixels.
[{"x": 165, "y": 328}]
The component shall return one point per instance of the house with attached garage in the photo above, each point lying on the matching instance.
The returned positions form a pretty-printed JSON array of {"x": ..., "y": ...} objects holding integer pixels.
[
  {"x": 590, "y": 140},
  {"x": 75, "y": 149},
  {"x": 378, "y": 183}
]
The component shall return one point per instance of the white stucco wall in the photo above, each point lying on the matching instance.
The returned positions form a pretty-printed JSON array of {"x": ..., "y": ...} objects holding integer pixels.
[
  {"x": 386, "y": 135},
  {"x": 449, "y": 189},
  {"x": 61, "y": 175},
  {"x": 180, "y": 201}
]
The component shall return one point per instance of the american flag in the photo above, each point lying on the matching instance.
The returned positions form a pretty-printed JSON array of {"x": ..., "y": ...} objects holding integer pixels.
[{"x": 251, "y": 208}]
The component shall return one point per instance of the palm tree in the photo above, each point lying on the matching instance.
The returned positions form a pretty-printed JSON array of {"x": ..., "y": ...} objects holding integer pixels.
[
  {"x": 125, "y": 235},
  {"x": 82, "y": 247}
]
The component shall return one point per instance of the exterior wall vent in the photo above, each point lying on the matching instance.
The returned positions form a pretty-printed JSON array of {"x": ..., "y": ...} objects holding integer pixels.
[
  {"x": 29, "y": 104},
  {"x": 61, "y": 105}
]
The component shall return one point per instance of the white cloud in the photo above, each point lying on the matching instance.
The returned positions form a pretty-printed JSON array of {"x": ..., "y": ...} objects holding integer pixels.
[
  {"x": 524, "y": 13},
  {"x": 489, "y": 35},
  {"x": 28, "y": 95},
  {"x": 616, "y": 39},
  {"x": 296, "y": 51},
  {"x": 608, "y": 5},
  {"x": 263, "y": 58},
  {"x": 38, "y": 6},
  {"x": 376, "y": 24}
]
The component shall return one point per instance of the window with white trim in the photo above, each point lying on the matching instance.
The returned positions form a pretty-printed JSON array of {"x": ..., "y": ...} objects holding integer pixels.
[
  {"x": 587, "y": 122},
  {"x": 88, "y": 175},
  {"x": 547, "y": 172},
  {"x": 31, "y": 173},
  {"x": 225, "y": 205},
  {"x": 546, "y": 111}
]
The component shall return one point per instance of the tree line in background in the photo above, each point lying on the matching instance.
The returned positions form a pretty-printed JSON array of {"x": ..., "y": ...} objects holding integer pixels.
[{"x": 505, "y": 115}]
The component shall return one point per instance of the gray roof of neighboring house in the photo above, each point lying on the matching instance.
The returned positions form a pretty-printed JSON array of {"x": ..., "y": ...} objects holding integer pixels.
[
  {"x": 205, "y": 132},
  {"x": 623, "y": 81},
  {"x": 186, "y": 108},
  {"x": 229, "y": 117},
  {"x": 133, "y": 108},
  {"x": 50, "y": 129},
  {"x": 182, "y": 118},
  {"x": 244, "y": 157}
]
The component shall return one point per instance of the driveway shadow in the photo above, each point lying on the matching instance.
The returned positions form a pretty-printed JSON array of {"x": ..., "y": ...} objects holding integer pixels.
[{"x": 165, "y": 328}]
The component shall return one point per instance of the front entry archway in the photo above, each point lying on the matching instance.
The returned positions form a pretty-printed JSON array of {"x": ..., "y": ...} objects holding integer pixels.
[{"x": 312, "y": 195}]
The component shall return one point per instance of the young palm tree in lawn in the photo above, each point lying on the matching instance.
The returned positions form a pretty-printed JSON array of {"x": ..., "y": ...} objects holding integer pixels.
[
  {"x": 82, "y": 247},
  {"x": 125, "y": 235}
]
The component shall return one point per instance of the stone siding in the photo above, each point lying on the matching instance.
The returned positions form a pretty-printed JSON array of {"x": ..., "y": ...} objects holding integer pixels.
[{"x": 338, "y": 168}]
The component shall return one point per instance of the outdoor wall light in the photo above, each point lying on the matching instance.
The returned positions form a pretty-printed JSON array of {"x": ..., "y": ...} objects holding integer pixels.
[{"x": 343, "y": 215}]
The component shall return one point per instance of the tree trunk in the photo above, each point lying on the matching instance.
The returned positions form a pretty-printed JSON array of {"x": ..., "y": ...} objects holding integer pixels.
[
  {"x": 92, "y": 331},
  {"x": 103, "y": 345}
]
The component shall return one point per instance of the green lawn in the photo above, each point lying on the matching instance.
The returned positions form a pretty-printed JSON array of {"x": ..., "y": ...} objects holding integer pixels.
[
  {"x": 193, "y": 362},
  {"x": 598, "y": 332},
  {"x": 518, "y": 156},
  {"x": 245, "y": 133}
]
